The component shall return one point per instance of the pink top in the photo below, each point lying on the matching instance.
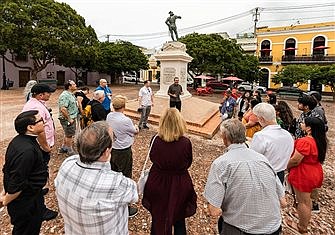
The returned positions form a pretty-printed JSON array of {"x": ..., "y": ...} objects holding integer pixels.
[{"x": 34, "y": 104}]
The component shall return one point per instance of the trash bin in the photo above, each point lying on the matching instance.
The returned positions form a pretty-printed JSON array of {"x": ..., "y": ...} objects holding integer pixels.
[{"x": 10, "y": 83}]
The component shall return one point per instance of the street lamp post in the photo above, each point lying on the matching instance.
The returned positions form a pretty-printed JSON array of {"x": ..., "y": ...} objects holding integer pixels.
[{"x": 4, "y": 79}]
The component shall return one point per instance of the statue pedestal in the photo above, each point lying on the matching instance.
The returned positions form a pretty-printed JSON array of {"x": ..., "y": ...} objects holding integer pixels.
[{"x": 173, "y": 62}]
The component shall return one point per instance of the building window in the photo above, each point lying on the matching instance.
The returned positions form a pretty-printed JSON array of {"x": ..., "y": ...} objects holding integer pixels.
[
  {"x": 290, "y": 47},
  {"x": 265, "y": 48},
  {"x": 319, "y": 46},
  {"x": 150, "y": 75}
]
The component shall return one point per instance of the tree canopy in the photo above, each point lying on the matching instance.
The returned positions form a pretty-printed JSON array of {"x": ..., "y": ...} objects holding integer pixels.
[
  {"x": 120, "y": 56},
  {"x": 299, "y": 74},
  {"x": 45, "y": 30},
  {"x": 213, "y": 54},
  {"x": 293, "y": 74}
]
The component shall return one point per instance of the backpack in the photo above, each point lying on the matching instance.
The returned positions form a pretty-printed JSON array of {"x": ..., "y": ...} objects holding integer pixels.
[{"x": 86, "y": 119}]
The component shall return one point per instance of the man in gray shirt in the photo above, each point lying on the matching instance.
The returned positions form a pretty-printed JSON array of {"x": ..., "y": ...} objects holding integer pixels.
[
  {"x": 175, "y": 90},
  {"x": 243, "y": 188},
  {"x": 123, "y": 132}
]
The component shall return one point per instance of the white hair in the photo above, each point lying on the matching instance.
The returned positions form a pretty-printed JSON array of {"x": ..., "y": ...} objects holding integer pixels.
[
  {"x": 266, "y": 111},
  {"x": 98, "y": 94},
  {"x": 28, "y": 87}
]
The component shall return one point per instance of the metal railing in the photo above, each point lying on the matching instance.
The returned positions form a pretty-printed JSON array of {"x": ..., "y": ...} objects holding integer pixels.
[{"x": 296, "y": 59}]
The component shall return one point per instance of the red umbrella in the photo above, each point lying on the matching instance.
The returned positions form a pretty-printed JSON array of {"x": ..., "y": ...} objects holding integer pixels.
[
  {"x": 290, "y": 49},
  {"x": 204, "y": 77},
  {"x": 320, "y": 47},
  {"x": 232, "y": 79}
]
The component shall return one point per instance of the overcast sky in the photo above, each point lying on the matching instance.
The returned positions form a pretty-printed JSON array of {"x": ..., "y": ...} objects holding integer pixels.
[{"x": 134, "y": 17}]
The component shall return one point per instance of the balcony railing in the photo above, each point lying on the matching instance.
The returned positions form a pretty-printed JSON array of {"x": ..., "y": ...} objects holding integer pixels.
[
  {"x": 305, "y": 59},
  {"x": 265, "y": 59}
]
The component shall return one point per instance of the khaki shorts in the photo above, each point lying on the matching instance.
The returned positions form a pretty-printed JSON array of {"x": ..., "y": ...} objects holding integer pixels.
[{"x": 69, "y": 130}]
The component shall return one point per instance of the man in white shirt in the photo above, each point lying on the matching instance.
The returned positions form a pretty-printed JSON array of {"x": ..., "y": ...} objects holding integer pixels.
[
  {"x": 92, "y": 198},
  {"x": 275, "y": 143},
  {"x": 145, "y": 100}
]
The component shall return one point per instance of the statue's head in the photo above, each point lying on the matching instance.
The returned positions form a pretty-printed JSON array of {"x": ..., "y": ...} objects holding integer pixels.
[{"x": 171, "y": 13}]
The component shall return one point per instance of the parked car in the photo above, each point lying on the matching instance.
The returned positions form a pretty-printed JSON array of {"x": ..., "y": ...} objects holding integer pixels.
[
  {"x": 247, "y": 86},
  {"x": 190, "y": 81},
  {"x": 289, "y": 90},
  {"x": 218, "y": 85},
  {"x": 129, "y": 77}
]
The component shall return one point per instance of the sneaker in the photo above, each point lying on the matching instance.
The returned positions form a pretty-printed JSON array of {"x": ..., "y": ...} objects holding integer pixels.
[
  {"x": 132, "y": 211},
  {"x": 49, "y": 214},
  {"x": 62, "y": 150},
  {"x": 315, "y": 207}
]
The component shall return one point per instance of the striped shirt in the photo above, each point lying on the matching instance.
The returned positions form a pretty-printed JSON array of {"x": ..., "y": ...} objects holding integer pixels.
[
  {"x": 92, "y": 198},
  {"x": 243, "y": 184}
]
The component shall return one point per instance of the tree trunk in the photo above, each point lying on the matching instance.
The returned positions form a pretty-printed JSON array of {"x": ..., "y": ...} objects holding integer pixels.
[{"x": 34, "y": 73}]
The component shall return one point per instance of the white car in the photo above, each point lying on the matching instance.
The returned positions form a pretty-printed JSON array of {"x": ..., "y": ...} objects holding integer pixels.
[
  {"x": 247, "y": 86},
  {"x": 129, "y": 77}
]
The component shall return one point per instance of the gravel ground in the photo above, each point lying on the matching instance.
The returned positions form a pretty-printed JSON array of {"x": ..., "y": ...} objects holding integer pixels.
[{"x": 204, "y": 152}]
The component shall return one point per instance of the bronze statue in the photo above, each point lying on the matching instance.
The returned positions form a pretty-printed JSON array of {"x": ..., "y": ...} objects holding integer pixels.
[{"x": 171, "y": 23}]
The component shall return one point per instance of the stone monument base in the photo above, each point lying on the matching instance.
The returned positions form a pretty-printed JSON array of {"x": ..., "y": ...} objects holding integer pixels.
[{"x": 202, "y": 117}]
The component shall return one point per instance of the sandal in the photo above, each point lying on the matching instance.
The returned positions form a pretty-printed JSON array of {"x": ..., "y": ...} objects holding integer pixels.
[{"x": 292, "y": 226}]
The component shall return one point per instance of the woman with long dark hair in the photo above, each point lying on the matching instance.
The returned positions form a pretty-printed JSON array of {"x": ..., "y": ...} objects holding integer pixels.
[
  {"x": 285, "y": 116},
  {"x": 305, "y": 169}
]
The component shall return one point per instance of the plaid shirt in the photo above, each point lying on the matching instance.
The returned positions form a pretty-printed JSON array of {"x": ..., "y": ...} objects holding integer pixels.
[
  {"x": 92, "y": 198},
  {"x": 243, "y": 184}
]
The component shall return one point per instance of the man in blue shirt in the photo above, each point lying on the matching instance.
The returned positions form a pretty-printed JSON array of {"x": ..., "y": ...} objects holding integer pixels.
[
  {"x": 108, "y": 94},
  {"x": 228, "y": 106}
]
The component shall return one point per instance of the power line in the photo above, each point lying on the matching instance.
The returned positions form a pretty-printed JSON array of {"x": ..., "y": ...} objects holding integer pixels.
[
  {"x": 187, "y": 29},
  {"x": 290, "y": 12},
  {"x": 309, "y": 18},
  {"x": 298, "y": 7}
]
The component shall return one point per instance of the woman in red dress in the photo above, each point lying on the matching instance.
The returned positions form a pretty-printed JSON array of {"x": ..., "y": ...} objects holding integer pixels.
[
  {"x": 169, "y": 193},
  {"x": 305, "y": 170}
]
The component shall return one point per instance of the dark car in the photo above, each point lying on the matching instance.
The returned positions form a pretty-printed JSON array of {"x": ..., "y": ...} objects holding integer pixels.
[
  {"x": 217, "y": 85},
  {"x": 289, "y": 91}
]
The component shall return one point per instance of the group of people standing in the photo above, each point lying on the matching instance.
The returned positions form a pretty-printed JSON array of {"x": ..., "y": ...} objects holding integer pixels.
[
  {"x": 296, "y": 146},
  {"x": 95, "y": 189}
]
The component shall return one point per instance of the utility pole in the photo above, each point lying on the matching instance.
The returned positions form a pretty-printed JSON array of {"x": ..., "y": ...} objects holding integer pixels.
[{"x": 256, "y": 15}]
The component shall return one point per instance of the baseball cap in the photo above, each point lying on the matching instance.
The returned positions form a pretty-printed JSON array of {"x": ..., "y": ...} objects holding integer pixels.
[{"x": 41, "y": 88}]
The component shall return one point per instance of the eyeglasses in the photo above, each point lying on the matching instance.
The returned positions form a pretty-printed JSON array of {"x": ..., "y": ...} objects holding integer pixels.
[{"x": 40, "y": 120}]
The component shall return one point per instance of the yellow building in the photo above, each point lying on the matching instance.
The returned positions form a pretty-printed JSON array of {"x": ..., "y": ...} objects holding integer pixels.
[{"x": 295, "y": 44}]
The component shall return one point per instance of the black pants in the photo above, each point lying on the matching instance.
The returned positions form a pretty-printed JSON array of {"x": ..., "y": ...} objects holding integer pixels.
[
  {"x": 179, "y": 228},
  {"x": 122, "y": 161},
  {"x": 175, "y": 104},
  {"x": 227, "y": 229},
  {"x": 26, "y": 215},
  {"x": 281, "y": 176}
]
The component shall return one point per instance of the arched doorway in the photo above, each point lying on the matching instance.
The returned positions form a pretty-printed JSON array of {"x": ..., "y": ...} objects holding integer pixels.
[{"x": 265, "y": 75}]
